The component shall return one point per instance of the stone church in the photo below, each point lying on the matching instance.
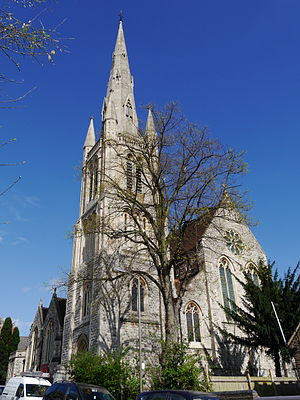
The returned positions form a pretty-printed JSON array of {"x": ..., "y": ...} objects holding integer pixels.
[{"x": 103, "y": 314}]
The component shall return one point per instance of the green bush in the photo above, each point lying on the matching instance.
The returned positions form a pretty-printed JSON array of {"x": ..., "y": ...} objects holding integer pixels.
[
  {"x": 178, "y": 370},
  {"x": 113, "y": 371}
]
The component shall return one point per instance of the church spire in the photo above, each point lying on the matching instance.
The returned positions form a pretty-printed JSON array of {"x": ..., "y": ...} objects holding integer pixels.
[
  {"x": 90, "y": 139},
  {"x": 119, "y": 101},
  {"x": 150, "y": 127}
]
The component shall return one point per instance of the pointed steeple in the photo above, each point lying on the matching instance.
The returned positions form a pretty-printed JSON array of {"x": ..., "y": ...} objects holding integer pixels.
[
  {"x": 150, "y": 127},
  {"x": 119, "y": 102},
  {"x": 90, "y": 139},
  {"x": 151, "y": 136}
]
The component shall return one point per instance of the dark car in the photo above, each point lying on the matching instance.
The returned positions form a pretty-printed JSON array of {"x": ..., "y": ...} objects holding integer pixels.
[
  {"x": 76, "y": 391},
  {"x": 1, "y": 388},
  {"x": 177, "y": 395}
]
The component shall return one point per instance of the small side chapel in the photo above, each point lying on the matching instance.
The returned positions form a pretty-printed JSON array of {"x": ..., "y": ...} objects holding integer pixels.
[{"x": 102, "y": 315}]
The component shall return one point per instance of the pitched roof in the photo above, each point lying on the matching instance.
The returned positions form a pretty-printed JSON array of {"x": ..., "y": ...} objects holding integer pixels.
[
  {"x": 22, "y": 346},
  {"x": 295, "y": 338},
  {"x": 60, "y": 304},
  {"x": 194, "y": 230},
  {"x": 44, "y": 312}
]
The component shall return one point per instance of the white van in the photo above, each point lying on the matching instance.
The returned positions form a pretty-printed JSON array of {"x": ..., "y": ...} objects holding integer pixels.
[{"x": 25, "y": 388}]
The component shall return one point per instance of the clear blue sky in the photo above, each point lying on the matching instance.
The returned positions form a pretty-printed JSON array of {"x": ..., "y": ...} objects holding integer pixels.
[{"x": 233, "y": 65}]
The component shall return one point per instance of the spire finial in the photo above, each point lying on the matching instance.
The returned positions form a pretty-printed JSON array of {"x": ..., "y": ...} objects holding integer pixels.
[{"x": 121, "y": 16}]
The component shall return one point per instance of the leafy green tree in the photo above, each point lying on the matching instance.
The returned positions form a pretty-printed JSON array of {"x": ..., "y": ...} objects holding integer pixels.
[
  {"x": 113, "y": 371},
  {"x": 9, "y": 340},
  {"x": 256, "y": 318},
  {"x": 179, "y": 370}
]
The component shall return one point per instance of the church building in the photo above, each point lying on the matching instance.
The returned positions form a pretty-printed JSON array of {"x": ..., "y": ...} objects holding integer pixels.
[{"x": 109, "y": 306}]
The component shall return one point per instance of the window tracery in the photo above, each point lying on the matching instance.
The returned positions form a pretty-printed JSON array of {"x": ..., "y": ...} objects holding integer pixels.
[
  {"x": 134, "y": 294},
  {"x": 251, "y": 269},
  {"x": 226, "y": 282},
  {"x": 234, "y": 242},
  {"x": 192, "y": 314}
]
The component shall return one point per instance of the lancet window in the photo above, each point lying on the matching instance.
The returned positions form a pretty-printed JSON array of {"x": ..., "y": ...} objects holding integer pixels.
[
  {"x": 49, "y": 342},
  {"x": 251, "y": 269},
  {"x": 133, "y": 175},
  {"x": 34, "y": 347},
  {"x": 85, "y": 301},
  {"x": 138, "y": 283},
  {"x": 192, "y": 314},
  {"x": 226, "y": 282},
  {"x": 93, "y": 180}
]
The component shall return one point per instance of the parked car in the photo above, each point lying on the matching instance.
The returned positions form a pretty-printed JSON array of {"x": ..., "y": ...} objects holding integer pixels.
[
  {"x": 1, "y": 389},
  {"x": 177, "y": 395},
  {"x": 25, "y": 388},
  {"x": 289, "y": 397},
  {"x": 76, "y": 391}
]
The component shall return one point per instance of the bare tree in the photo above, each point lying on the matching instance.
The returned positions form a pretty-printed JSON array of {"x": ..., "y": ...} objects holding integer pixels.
[
  {"x": 175, "y": 176},
  {"x": 19, "y": 38},
  {"x": 30, "y": 38}
]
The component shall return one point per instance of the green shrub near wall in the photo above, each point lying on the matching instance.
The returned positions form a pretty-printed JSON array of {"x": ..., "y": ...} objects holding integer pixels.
[{"x": 112, "y": 371}]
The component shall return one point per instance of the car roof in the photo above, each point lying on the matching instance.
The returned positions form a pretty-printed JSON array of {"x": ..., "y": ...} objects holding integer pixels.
[
  {"x": 192, "y": 392},
  {"x": 90, "y": 385},
  {"x": 81, "y": 384}
]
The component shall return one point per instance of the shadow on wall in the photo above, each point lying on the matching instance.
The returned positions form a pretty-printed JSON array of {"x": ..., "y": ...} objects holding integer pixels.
[{"x": 230, "y": 359}]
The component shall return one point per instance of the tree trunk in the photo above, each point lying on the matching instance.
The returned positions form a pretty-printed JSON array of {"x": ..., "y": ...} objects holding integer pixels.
[
  {"x": 277, "y": 364},
  {"x": 171, "y": 313}
]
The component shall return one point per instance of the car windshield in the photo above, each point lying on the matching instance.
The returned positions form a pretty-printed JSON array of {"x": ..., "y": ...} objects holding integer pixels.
[
  {"x": 36, "y": 390},
  {"x": 95, "y": 394}
]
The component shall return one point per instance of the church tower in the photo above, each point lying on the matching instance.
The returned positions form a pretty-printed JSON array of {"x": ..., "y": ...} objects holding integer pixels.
[
  {"x": 101, "y": 312},
  {"x": 112, "y": 296}
]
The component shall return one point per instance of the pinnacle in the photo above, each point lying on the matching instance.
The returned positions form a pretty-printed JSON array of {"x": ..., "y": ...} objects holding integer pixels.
[{"x": 90, "y": 139}]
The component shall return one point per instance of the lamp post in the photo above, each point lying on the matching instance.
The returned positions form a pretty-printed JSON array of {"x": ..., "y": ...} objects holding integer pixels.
[
  {"x": 284, "y": 340},
  {"x": 118, "y": 269}
]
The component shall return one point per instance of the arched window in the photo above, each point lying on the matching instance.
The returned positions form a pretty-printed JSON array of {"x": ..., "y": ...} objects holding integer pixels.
[
  {"x": 95, "y": 185},
  {"x": 49, "y": 342},
  {"x": 93, "y": 179},
  {"x": 91, "y": 182},
  {"x": 226, "y": 282},
  {"x": 192, "y": 314},
  {"x": 34, "y": 348},
  {"x": 251, "y": 269},
  {"x": 82, "y": 344},
  {"x": 134, "y": 174},
  {"x": 137, "y": 283},
  {"x": 85, "y": 301}
]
